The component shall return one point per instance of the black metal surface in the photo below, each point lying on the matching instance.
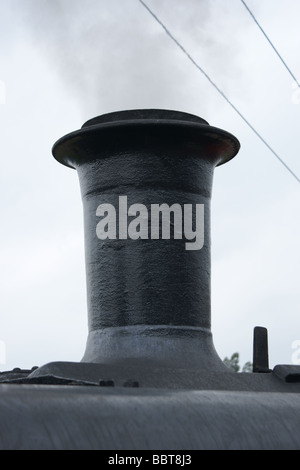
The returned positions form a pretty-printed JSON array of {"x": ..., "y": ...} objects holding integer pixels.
[
  {"x": 129, "y": 373},
  {"x": 123, "y": 131},
  {"x": 150, "y": 377},
  {"x": 260, "y": 350},
  {"x": 148, "y": 300},
  {"x": 111, "y": 418},
  {"x": 288, "y": 372}
]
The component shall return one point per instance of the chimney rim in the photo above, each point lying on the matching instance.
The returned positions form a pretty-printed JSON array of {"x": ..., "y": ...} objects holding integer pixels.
[
  {"x": 151, "y": 114},
  {"x": 94, "y": 129}
]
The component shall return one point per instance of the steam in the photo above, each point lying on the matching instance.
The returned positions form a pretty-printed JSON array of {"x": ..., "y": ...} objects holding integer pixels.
[{"x": 111, "y": 54}]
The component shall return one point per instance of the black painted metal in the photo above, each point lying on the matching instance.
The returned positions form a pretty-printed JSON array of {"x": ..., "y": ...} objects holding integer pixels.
[
  {"x": 147, "y": 299},
  {"x": 110, "y": 418},
  {"x": 150, "y": 377},
  {"x": 260, "y": 350}
]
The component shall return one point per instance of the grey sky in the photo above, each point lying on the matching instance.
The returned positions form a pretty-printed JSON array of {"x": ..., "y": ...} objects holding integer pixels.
[{"x": 64, "y": 62}]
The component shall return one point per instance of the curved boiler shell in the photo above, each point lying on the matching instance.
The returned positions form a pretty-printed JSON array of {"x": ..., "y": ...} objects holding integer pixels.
[{"x": 73, "y": 417}]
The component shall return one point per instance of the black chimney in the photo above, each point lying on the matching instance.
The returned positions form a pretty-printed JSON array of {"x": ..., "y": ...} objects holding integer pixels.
[
  {"x": 146, "y": 180},
  {"x": 150, "y": 377}
]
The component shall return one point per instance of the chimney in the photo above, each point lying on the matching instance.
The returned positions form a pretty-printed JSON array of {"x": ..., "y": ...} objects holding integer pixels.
[{"x": 146, "y": 179}]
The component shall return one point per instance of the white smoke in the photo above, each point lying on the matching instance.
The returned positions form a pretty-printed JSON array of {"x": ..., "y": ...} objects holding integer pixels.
[{"x": 111, "y": 54}]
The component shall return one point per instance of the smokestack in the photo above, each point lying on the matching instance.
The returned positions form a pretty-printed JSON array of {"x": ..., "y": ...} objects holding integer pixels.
[{"x": 146, "y": 180}]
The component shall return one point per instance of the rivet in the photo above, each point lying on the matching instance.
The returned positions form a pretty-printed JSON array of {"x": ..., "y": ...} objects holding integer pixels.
[{"x": 106, "y": 383}]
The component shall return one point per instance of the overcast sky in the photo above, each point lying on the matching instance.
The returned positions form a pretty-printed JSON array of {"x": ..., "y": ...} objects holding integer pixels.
[{"x": 63, "y": 62}]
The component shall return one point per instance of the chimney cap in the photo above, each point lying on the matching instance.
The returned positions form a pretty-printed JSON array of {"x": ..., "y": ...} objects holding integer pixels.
[
  {"x": 97, "y": 132},
  {"x": 156, "y": 115}
]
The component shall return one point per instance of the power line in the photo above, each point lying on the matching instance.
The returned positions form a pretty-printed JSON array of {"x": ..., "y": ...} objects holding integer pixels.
[
  {"x": 270, "y": 42},
  {"x": 219, "y": 90}
]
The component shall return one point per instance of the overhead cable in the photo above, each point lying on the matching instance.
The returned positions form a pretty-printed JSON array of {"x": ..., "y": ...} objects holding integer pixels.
[
  {"x": 271, "y": 44},
  {"x": 219, "y": 90}
]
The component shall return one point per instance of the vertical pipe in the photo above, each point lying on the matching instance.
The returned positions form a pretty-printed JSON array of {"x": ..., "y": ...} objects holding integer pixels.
[{"x": 146, "y": 179}]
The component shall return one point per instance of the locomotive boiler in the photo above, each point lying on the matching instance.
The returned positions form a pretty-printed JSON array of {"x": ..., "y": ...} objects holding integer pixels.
[{"x": 150, "y": 377}]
